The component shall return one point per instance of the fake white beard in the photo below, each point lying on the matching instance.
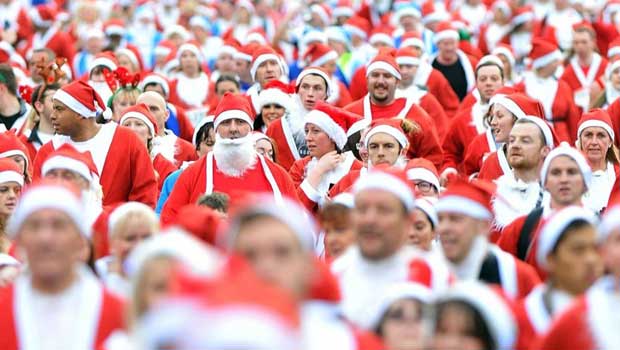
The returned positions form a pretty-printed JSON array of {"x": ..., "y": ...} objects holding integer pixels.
[{"x": 234, "y": 156}]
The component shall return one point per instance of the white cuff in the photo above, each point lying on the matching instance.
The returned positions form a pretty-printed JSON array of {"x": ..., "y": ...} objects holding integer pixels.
[
  {"x": 310, "y": 192},
  {"x": 448, "y": 171}
]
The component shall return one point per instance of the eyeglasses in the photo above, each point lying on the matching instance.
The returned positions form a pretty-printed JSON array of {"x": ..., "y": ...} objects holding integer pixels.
[{"x": 423, "y": 186}]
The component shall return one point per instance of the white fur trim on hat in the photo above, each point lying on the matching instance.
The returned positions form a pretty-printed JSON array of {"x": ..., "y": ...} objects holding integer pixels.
[
  {"x": 355, "y": 31},
  {"x": 428, "y": 208},
  {"x": 102, "y": 61},
  {"x": 385, "y": 66},
  {"x": 408, "y": 60},
  {"x": 502, "y": 50},
  {"x": 596, "y": 123},
  {"x": 565, "y": 150},
  {"x": 424, "y": 175},
  {"x": 549, "y": 58},
  {"x": 446, "y": 34},
  {"x": 394, "y": 293},
  {"x": 613, "y": 66},
  {"x": 155, "y": 79},
  {"x": 390, "y": 130},
  {"x": 191, "y": 48},
  {"x": 242, "y": 56},
  {"x": 14, "y": 152},
  {"x": 436, "y": 16},
  {"x": 609, "y": 224},
  {"x": 232, "y": 114},
  {"x": 76, "y": 105},
  {"x": 554, "y": 228},
  {"x": 161, "y": 50},
  {"x": 463, "y": 205},
  {"x": 48, "y": 197},
  {"x": 125, "y": 209},
  {"x": 381, "y": 38},
  {"x": 378, "y": 180},
  {"x": 328, "y": 125},
  {"x": 491, "y": 59},
  {"x": 613, "y": 51},
  {"x": 132, "y": 56},
  {"x": 201, "y": 123},
  {"x": 358, "y": 126},
  {"x": 11, "y": 176},
  {"x": 140, "y": 117},
  {"x": 509, "y": 104},
  {"x": 318, "y": 72},
  {"x": 415, "y": 42},
  {"x": 343, "y": 11},
  {"x": 346, "y": 199},
  {"x": 261, "y": 59},
  {"x": 320, "y": 11},
  {"x": 544, "y": 128},
  {"x": 62, "y": 162},
  {"x": 522, "y": 18},
  {"x": 275, "y": 96},
  {"x": 255, "y": 37},
  {"x": 331, "y": 55},
  {"x": 7, "y": 260}
]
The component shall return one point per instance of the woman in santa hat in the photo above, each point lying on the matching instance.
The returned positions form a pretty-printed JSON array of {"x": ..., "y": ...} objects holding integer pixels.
[
  {"x": 422, "y": 233},
  {"x": 265, "y": 146},
  {"x": 612, "y": 87},
  {"x": 274, "y": 102},
  {"x": 190, "y": 89},
  {"x": 12, "y": 148},
  {"x": 326, "y": 164},
  {"x": 11, "y": 183},
  {"x": 335, "y": 219}
]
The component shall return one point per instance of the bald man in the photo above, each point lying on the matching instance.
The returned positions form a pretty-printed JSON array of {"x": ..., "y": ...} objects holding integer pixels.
[{"x": 166, "y": 142}]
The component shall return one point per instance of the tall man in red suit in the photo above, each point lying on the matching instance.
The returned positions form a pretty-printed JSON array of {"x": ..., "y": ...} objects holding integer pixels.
[
  {"x": 232, "y": 166},
  {"x": 57, "y": 303},
  {"x": 122, "y": 160}
]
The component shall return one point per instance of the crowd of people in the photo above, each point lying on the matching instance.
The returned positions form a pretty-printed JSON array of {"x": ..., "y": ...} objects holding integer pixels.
[{"x": 305, "y": 175}]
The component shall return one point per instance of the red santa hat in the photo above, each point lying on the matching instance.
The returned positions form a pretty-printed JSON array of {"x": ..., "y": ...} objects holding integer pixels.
[
  {"x": 233, "y": 107},
  {"x": 404, "y": 10},
  {"x": 584, "y": 25},
  {"x": 490, "y": 59},
  {"x": 246, "y": 4},
  {"x": 503, "y": 6},
  {"x": 554, "y": 228},
  {"x": 132, "y": 53},
  {"x": 565, "y": 150},
  {"x": 518, "y": 104},
  {"x": 178, "y": 30},
  {"x": 505, "y": 50},
  {"x": 8, "y": 54},
  {"x": 522, "y": 15},
  {"x": 114, "y": 26},
  {"x": 412, "y": 39},
  {"x": 69, "y": 158},
  {"x": 445, "y": 30},
  {"x": 494, "y": 308},
  {"x": 200, "y": 22},
  {"x": 191, "y": 47},
  {"x": 246, "y": 51},
  {"x": 323, "y": 11},
  {"x": 141, "y": 112},
  {"x": 614, "y": 48},
  {"x": 80, "y": 98},
  {"x": 394, "y": 293},
  {"x": 390, "y": 180},
  {"x": 154, "y": 78},
  {"x": 343, "y": 8},
  {"x": 332, "y": 120},
  {"x": 319, "y": 54},
  {"x": 391, "y": 127},
  {"x": 129, "y": 208},
  {"x": 612, "y": 66},
  {"x": 276, "y": 92},
  {"x": 543, "y": 53},
  {"x": 407, "y": 56},
  {"x": 472, "y": 199},
  {"x": 257, "y": 36},
  {"x": 546, "y": 129},
  {"x": 427, "y": 206},
  {"x": 165, "y": 48},
  {"x": 201, "y": 123},
  {"x": 433, "y": 12},
  {"x": 200, "y": 221},
  {"x": 10, "y": 172},
  {"x": 230, "y": 47},
  {"x": 596, "y": 117},
  {"x": 315, "y": 71},
  {"x": 385, "y": 61},
  {"x": 345, "y": 199},
  {"x": 43, "y": 15},
  {"x": 610, "y": 222},
  {"x": 261, "y": 55},
  {"x": 46, "y": 195},
  {"x": 358, "y": 26},
  {"x": 381, "y": 36},
  {"x": 10, "y": 145},
  {"x": 106, "y": 59},
  {"x": 423, "y": 169}
]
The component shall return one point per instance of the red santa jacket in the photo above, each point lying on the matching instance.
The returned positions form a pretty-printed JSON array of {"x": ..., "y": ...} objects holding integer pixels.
[
  {"x": 438, "y": 86},
  {"x": 60, "y": 42},
  {"x": 125, "y": 168},
  {"x": 579, "y": 77},
  {"x": 286, "y": 149},
  {"x": 346, "y": 182},
  {"x": 462, "y": 130},
  {"x": 494, "y": 166},
  {"x": 422, "y": 144},
  {"x": 485, "y": 41},
  {"x": 614, "y": 112},
  {"x": 184, "y": 152},
  {"x": 481, "y": 147},
  {"x": 342, "y": 97},
  {"x": 358, "y": 87},
  {"x": 163, "y": 167},
  {"x": 433, "y": 108},
  {"x": 204, "y": 177},
  {"x": 186, "y": 129}
]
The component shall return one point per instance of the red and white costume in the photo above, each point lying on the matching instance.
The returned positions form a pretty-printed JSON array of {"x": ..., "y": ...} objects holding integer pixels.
[{"x": 53, "y": 38}]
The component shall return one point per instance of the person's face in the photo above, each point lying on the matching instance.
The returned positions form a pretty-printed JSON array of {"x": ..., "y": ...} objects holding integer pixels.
[
  {"x": 457, "y": 233},
  {"x": 403, "y": 327},
  {"x": 583, "y": 43},
  {"x": 242, "y": 67},
  {"x": 501, "y": 122},
  {"x": 488, "y": 80},
  {"x": 407, "y": 72},
  {"x": 363, "y": 151},
  {"x": 425, "y": 189},
  {"x": 189, "y": 63},
  {"x": 548, "y": 70},
  {"x": 337, "y": 46},
  {"x": 95, "y": 45},
  {"x": 312, "y": 88},
  {"x": 51, "y": 242},
  {"x": 140, "y": 128},
  {"x": 64, "y": 120},
  {"x": 595, "y": 142},
  {"x": 126, "y": 238},
  {"x": 120, "y": 103},
  {"x": 275, "y": 252},
  {"x": 226, "y": 86},
  {"x": 447, "y": 49},
  {"x": 382, "y": 85},
  {"x": 233, "y": 128},
  {"x": 96, "y": 75},
  {"x": 330, "y": 67},
  {"x": 383, "y": 149},
  {"x": 20, "y": 161},
  {"x": 615, "y": 78},
  {"x": 154, "y": 285},
  {"x": 610, "y": 252},
  {"x": 576, "y": 263},
  {"x": 381, "y": 223},
  {"x": 157, "y": 107},
  {"x": 525, "y": 147},
  {"x": 422, "y": 233},
  {"x": 268, "y": 71},
  {"x": 409, "y": 23},
  {"x": 264, "y": 148},
  {"x": 206, "y": 145},
  {"x": 37, "y": 58},
  {"x": 271, "y": 112},
  {"x": 45, "y": 106},
  {"x": 225, "y": 63},
  {"x": 9, "y": 193},
  {"x": 454, "y": 329},
  {"x": 564, "y": 181},
  {"x": 125, "y": 61},
  {"x": 67, "y": 176},
  {"x": 339, "y": 235},
  {"x": 156, "y": 88},
  {"x": 199, "y": 33},
  {"x": 317, "y": 140}
]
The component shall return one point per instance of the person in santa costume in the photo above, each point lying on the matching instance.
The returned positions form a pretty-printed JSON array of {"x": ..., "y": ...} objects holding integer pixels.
[
  {"x": 42, "y": 131},
  {"x": 12, "y": 148},
  {"x": 566, "y": 177},
  {"x": 382, "y": 80},
  {"x": 585, "y": 67},
  {"x": 555, "y": 95},
  {"x": 561, "y": 16},
  {"x": 326, "y": 163},
  {"x": 321, "y": 55},
  {"x": 381, "y": 255},
  {"x": 312, "y": 85},
  {"x": 507, "y": 55},
  {"x": 497, "y": 29},
  {"x": 276, "y": 101},
  {"x": 103, "y": 65},
  {"x": 233, "y": 164},
  {"x": 266, "y": 66},
  {"x": 469, "y": 122},
  {"x": 611, "y": 88},
  {"x": 165, "y": 142},
  {"x": 454, "y": 64},
  {"x": 465, "y": 215},
  {"x": 587, "y": 323},
  {"x": 55, "y": 289},
  {"x": 13, "y": 109},
  {"x": 423, "y": 235},
  {"x": 121, "y": 159},
  {"x": 424, "y": 177},
  {"x": 596, "y": 141},
  {"x": 11, "y": 184},
  {"x": 569, "y": 274}
]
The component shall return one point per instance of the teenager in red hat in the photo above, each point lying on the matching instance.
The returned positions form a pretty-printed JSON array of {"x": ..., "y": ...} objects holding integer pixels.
[
  {"x": 191, "y": 88},
  {"x": 11, "y": 183}
]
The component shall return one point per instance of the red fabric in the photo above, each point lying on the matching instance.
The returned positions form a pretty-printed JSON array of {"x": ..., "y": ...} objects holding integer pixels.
[
  {"x": 439, "y": 87},
  {"x": 186, "y": 129},
  {"x": 477, "y": 151},
  {"x": 527, "y": 279},
  {"x": 127, "y": 173},
  {"x": 570, "y": 331},
  {"x": 32, "y": 150},
  {"x": 175, "y": 97},
  {"x": 61, "y": 43},
  {"x": 344, "y": 97},
  {"x": 570, "y": 77},
  {"x": 423, "y": 144},
  {"x": 468, "y": 101},
  {"x": 460, "y": 134},
  {"x": 614, "y": 113},
  {"x": 491, "y": 170},
  {"x": 482, "y": 42},
  {"x": 605, "y": 34},
  {"x": 184, "y": 152},
  {"x": 193, "y": 182},
  {"x": 345, "y": 183},
  {"x": 433, "y": 108},
  {"x": 358, "y": 87},
  {"x": 284, "y": 154},
  {"x": 163, "y": 167},
  {"x": 509, "y": 240}
]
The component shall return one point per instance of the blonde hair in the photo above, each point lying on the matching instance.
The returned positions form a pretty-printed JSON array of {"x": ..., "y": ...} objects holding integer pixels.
[{"x": 136, "y": 213}]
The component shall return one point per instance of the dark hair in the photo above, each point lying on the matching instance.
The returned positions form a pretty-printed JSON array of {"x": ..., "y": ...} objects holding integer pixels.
[
  {"x": 351, "y": 144},
  {"x": 216, "y": 201},
  {"x": 316, "y": 75},
  {"x": 480, "y": 329},
  {"x": 334, "y": 212},
  {"x": 202, "y": 134},
  {"x": 227, "y": 77},
  {"x": 490, "y": 64},
  {"x": 7, "y": 77},
  {"x": 423, "y": 311},
  {"x": 574, "y": 226},
  {"x": 40, "y": 90}
]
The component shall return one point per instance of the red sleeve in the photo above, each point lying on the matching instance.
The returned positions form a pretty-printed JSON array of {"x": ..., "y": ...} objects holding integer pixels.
[
  {"x": 181, "y": 193},
  {"x": 510, "y": 236},
  {"x": 573, "y": 113},
  {"x": 185, "y": 125},
  {"x": 8, "y": 331},
  {"x": 433, "y": 108},
  {"x": 569, "y": 77},
  {"x": 285, "y": 183},
  {"x": 358, "y": 86},
  {"x": 527, "y": 277},
  {"x": 24, "y": 26},
  {"x": 452, "y": 146},
  {"x": 345, "y": 97},
  {"x": 143, "y": 183},
  {"x": 490, "y": 169},
  {"x": 297, "y": 176},
  {"x": 187, "y": 152},
  {"x": 569, "y": 331},
  {"x": 112, "y": 317},
  {"x": 473, "y": 157},
  {"x": 425, "y": 142},
  {"x": 482, "y": 42}
]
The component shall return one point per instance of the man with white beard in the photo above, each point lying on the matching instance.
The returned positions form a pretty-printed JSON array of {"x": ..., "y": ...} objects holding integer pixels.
[{"x": 233, "y": 165}]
